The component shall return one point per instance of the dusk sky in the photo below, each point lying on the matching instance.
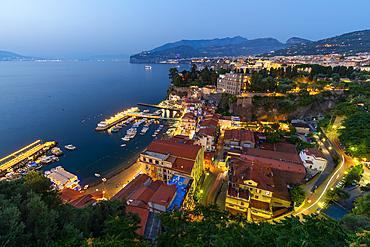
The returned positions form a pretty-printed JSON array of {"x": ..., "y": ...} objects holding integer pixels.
[{"x": 40, "y": 28}]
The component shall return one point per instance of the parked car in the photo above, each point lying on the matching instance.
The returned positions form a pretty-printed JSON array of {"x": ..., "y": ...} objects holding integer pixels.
[{"x": 340, "y": 185}]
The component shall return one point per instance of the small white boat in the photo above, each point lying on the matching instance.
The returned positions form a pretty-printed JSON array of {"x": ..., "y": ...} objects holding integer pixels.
[
  {"x": 86, "y": 186},
  {"x": 146, "y": 111},
  {"x": 97, "y": 175},
  {"x": 148, "y": 67},
  {"x": 69, "y": 147},
  {"x": 123, "y": 145}
]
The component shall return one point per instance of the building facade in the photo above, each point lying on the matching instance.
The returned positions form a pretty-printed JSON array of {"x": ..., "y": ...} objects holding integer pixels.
[
  {"x": 164, "y": 159},
  {"x": 231, "y": 83}
]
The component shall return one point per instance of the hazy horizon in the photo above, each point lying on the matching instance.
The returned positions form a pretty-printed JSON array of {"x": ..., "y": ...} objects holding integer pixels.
[{"x": 47, "y": 28}]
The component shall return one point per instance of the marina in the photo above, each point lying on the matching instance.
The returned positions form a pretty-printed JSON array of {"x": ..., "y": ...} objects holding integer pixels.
[{"x": 23, "y": 156}]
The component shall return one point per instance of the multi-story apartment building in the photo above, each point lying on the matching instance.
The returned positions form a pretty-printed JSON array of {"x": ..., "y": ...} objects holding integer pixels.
[
  {"x": 250, "y": 188},
  {"x": 164, "y": 159},
  {"x": 188, "y": 122},
  {"x": 231, "y": 83}
]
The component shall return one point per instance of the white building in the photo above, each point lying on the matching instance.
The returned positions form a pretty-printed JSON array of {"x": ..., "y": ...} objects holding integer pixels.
[{"x": 313, "y": 159}]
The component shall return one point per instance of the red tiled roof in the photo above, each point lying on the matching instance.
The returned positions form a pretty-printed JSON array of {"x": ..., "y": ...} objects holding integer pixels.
[
  {"x": 139, "y": 204},
  {"x": 143, "y": 193},
  {"x": 176, "y": 149},
  {"x": 242, "y": 135},
  {"x": 156, "y": 184},
  {"x": 278, "y": 164},
  {"x": 281, "y": 190},
  {"x": 231, "y": 191},
  {"x": 143, "y": 213},
  {"x": 274, "y": 155},
  {"x": 68, "y": 194},
  {"x": 208, "y": 155},
  {"x": 285, "y": 147},
  {"x": 259, "y": 205},
  {"x": 131, "y": 187},
  {"x": 189, "y": 116},
  {"x": 316, "y": 152},
  {"x": 82, "y": 201},
  {"x": 207, "y": 131},
  {"x": 163, "y": 196},
  {"x": 243, "y": 169},
  {"x": 185, "y": 166},
  {"x": 267, "y": 146}
]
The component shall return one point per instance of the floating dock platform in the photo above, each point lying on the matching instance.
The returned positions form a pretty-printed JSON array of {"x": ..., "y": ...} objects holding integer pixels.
[{"x": 24, "y": 155}]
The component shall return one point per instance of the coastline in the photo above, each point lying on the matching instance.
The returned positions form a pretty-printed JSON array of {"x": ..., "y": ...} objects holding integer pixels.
[{"x": 119, "y": 177}]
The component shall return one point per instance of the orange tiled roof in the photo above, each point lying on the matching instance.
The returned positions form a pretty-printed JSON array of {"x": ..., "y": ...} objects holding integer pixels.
[
  {"x": 316, "y": 152},
  {"x": 143, "y": 213},
  {"x": 274, "y": 155},
  {"x": 143, "y": 194},
  {"x": 163, "y": 196},
  {"x": 68, "y": 194},
  {"x": 242, "y": 135},
  {"x": 243, "y": 169},
  {"x": 131, "y": 187},
  {"x": 176, "y": 149}
]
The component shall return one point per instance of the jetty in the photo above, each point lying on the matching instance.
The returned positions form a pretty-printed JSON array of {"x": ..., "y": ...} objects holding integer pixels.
[
  {"x": 160, "y": 106},
  {"x": 109, "y": 125},
  {"x": 24, "y": 155}
]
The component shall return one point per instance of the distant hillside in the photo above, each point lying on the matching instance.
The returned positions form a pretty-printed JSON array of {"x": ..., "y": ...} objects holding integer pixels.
[
  {"x": 295, "y": 40},
  {"x": 184, "y": 51},
  {"x": 246, "y": 48},
  {"x": 349, "y": 43},
  {"x": 9, "y": 56},
  {"x": 202, "y": 43}
]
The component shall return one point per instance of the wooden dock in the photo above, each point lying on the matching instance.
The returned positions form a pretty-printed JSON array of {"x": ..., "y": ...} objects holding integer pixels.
[
  {"x": 111, "y": 124},
  {"x": 22, "y": 156}
]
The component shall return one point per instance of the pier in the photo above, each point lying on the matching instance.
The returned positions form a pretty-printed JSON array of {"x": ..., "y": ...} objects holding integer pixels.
[
  {"x": 102, "y": 128},
  {"x": 22, "y": 156},
  {"x": 159, "y": 106}
]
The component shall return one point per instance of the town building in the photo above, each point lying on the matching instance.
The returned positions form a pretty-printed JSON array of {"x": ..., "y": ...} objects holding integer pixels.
[
  {"x": 188, "y": 122},
  {"x": 301, "y": 127},
  {"x": 206, "y": 138},
  {"x": 62, "y": 178},
  {"x": 164, "y": 159},
  {"x": 231, "y": 83},
  {"x": 250, "y": 188},
  {"x": 239, "y": 138},
  {"x": 228, "y": 122},
  {"x": 313, "y": 159}
]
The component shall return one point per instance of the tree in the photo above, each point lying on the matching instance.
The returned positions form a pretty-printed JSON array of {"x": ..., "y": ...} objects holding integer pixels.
[
  {"x": 298, "y": 195},
  {"x": 352, "y": 176},
  {"x": 336, "y": 194},
  {"x": 355, "y": 223},
  {"x": 362, "y": 205},
  {"x": 33, "y": 215},
  {"x": 292, "y": 130},
  {"x": 210, "y": 226}
]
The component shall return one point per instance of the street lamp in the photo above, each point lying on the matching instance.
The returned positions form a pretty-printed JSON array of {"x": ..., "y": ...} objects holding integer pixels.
[{"x": 329, "y": 148}]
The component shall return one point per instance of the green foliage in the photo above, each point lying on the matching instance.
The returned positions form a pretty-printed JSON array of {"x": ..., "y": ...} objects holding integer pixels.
[
  {"x": 362, "y": 205},
  {"x": 355, "y": 223},
  {"x": 336, "y": 159},
  {"x": 194, "y": 77},
  {"x": 355, "y": 134},
  {"x": 273, "y": 138},
  {"x": 33, "y": 215},
  {"x": 337, "y": 194},
  {"x": 352, "y": 176},
  {"x": 292, "y": 130},
  {"x": 209, "y": 226},
  {"x": 298, "y": 195}
]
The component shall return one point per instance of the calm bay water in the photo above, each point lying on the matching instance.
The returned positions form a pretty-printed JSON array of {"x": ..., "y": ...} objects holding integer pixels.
[{"x": 49, "y": 100}]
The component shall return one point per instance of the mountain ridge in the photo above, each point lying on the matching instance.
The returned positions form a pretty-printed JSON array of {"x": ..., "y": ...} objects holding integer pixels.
[
  {"x": 198, "y": 48},
  {"x": 347, "y": 43}
]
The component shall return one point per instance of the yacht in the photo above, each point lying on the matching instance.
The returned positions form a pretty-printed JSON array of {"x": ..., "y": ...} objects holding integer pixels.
[
  {"x": 45, "y": 160},
  {"x": 70, "y": 147},
  {"x": 114, "y": 129},
  {"x": 97, "y": 175},
  {"x": 148, "y": 67},
  {"x": 56, "y": 151},
  {"x": 146, "y": 111},
  {"x": 123, "y": 145},
  {"x": 126, "y": 138}
]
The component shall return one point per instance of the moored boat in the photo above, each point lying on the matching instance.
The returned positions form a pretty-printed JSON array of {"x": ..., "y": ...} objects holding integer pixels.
[
  {"x": 70, "y": 147},
  {"x": 97, "y": 175},
  {"x": 56, "y": 151}
]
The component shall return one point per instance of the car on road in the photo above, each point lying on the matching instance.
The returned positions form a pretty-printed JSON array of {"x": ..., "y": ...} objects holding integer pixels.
[
  {"x": 340, "y": 184},
  {"x": 318, "y": 211},
  {"x": 309, "y": 138}
]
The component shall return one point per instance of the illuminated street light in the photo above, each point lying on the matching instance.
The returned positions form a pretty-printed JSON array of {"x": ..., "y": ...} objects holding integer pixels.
[
  {"x": 345, "y": 172},
  {"x": 329, "y": 148},
  {"x": 201, "y": 191},
  {"x": 331, "y": 188}
]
